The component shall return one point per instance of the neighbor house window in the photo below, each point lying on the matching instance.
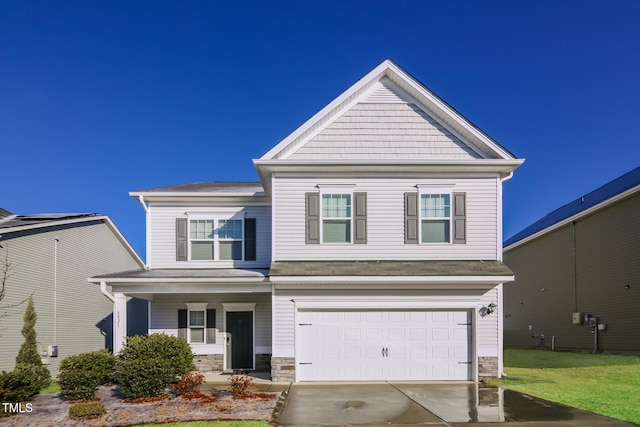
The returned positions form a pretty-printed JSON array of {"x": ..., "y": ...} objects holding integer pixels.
[
  {"x": 216, "y": 239},
  {"x": 435, "y": 218},
  {"x": 336, "y": 218}
]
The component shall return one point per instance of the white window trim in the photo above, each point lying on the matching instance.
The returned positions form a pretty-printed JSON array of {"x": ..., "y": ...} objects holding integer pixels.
[
  {"x": 346, "y": 189},
  {"x": 431, "y": 189},
  {"x": 196, "y": 306},
  {"x": 216, "y": 218}
]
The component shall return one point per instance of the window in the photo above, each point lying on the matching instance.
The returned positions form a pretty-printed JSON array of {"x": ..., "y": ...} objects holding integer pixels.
[
  {"x": 202, "y": 239},
  {"x": 196, "y": 326},
  {"x": 230, "y": 237},
  {"x": 336, "y": 218},
  {"x": 216, "y": 239},
  {"x": 435, "y": 218}
]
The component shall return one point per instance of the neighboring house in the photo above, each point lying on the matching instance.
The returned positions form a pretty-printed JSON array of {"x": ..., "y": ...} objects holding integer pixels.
[
  {"x": 371, "y": 248},
  {"x": 50, "y": 257},
  {"x": 582, "y": 259}
]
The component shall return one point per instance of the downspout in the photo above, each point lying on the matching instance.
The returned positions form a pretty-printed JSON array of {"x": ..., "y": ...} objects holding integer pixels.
[
  {"x": 501, "y": 373},
  {"x": 105, "y": 292},
  {"x": 575, "y": 269},
  {"x": 55, "y": 290}
]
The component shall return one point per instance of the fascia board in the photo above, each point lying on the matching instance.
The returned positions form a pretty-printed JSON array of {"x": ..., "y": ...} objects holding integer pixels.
[
  {"x": 150, "y": 194},
  {"x": 503, "y": 167},
  {"x": 573, "y": 218},
  {"x": 50, "y": 224},
  {"x": 191, "y": 288}
]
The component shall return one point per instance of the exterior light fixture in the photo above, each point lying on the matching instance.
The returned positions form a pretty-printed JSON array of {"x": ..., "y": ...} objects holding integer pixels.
[{"x": 484, "y": 311}]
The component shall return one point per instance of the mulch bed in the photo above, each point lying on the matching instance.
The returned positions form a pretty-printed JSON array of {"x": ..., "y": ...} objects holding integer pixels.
[{"x": 52, "y": 409}]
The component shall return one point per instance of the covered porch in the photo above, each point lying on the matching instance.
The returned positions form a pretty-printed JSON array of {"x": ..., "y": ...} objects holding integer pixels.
[{"x": 224, "y": 314}]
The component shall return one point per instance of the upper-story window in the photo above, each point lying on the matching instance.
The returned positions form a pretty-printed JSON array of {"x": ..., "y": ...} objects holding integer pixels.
[
  {"x": 435, "y": 215},
  {"x": 336, "y": 214},
  {"x": 336, "y": 218},
  {"x": 213, "y": 238},
  {"x": 435, "y": 218}
]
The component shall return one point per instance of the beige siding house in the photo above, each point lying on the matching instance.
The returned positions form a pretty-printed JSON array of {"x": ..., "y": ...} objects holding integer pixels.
[
  {"x": 371, "y": 248},
  {"x": 580, "y": 262},
  {"x": 51, "y": 256}
]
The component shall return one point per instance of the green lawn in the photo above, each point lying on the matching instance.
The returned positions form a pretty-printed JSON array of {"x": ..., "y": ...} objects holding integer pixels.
[
  {"x": 604, "y": 384},
  {"x": 53, "y": 387}
]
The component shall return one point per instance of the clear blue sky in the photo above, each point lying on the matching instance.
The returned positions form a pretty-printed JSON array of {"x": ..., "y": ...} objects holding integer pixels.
[{"x": 98, "y": 98}]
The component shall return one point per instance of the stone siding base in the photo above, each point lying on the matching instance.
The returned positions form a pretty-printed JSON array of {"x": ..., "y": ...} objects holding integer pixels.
[
  {"x": 487, "y": 368},
  {"x": 283, "y": 369},
  {"x": 208, "y": 362}
]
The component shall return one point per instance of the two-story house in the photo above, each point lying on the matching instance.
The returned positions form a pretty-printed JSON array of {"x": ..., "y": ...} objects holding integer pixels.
[{"x": 371, "y": 248}]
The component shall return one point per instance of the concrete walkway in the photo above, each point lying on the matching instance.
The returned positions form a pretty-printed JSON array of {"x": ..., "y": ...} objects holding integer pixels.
[{"x": 413, "y": 404}]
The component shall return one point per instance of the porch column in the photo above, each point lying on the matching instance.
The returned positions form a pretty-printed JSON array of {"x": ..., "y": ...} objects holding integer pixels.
[{"x": 119, "y": 321}]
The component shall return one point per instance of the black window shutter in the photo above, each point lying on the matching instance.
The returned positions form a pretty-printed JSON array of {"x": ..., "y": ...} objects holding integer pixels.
[
  {"x": 181, "y": 239},
  {"x": 211, "y": 325},
  {"x": 182, "y": 324},
  {"x": 312, "y": 218},
  {"x": 360, "y": 218},
  {"x": 249, "y": 239},
  {"x": 411, "y": 218},
  {"x": 459, "y": 218}
]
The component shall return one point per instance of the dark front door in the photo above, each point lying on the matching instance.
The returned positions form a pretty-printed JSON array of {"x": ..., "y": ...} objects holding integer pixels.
[{"x": 240, "y": 326}]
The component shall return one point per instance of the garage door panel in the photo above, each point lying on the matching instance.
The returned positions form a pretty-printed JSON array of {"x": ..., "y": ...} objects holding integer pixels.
[{"x": 383, "y": 345}]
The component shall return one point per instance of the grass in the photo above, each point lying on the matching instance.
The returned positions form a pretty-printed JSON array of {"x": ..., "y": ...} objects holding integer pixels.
[
  {"x": 213, "y": 424},
  {"x": 53, "y": 387},
  {"x": 605, "y": 384}
]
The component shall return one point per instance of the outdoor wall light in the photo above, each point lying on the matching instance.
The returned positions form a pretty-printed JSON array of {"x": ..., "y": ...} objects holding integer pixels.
[{"x": 484, "y": 311}]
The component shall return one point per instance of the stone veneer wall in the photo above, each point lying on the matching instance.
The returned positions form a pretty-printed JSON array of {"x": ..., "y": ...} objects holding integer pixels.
[
  {"x": 208, "y": 362},
  {"x": 283, "y": 369},
  {"x": 487, "y": 367}
]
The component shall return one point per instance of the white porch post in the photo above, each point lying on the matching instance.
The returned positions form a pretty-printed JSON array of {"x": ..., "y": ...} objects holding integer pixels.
[{"x": 119, "y": 321}]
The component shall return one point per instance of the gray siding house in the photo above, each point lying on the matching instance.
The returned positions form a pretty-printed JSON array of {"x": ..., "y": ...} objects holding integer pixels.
[
  {"x": 50, "y": 257},
  {"x": 580, "y": 262},
  {"x": 371, "y": 248}
]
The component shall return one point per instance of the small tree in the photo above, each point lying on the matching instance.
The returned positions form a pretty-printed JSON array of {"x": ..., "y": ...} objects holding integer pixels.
[{"x": 28, "y": 353}]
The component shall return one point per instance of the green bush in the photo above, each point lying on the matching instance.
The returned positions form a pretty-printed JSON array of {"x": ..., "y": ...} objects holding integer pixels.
[
  {"x": 144, "y": 377},
  {"x": 148, "y": 364},
  {"x": 86, "y": 410},
  {"x": 81, "y": 374},
  {"x": 23, "y": 382}
]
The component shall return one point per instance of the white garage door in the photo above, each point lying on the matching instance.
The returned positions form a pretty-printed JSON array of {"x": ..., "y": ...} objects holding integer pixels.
[{"x": 383, "y": 345}]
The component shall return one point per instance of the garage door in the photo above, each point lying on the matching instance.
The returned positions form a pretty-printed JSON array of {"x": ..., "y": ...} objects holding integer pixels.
[{"x": 383, "y": 345}]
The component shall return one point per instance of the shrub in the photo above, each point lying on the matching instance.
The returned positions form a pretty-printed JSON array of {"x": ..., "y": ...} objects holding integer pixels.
[
  {"x": 148, "y": 364},
  {"x": 23, "y": 382},
  {"x": 240, "y": 385},
  {"x": 83, "y": 411},
  {"x": 189, "y": 383},
  {"x": 174, "y": 351},
  {"x": 81, "y": 374},
  {"x": 144, "y": 377}
]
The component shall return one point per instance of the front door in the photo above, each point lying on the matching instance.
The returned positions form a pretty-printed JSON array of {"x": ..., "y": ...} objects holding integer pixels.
[{"x": 240, "y": 326}]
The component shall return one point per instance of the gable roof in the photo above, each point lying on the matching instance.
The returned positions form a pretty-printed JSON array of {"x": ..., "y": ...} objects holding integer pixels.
[
  {"x": 598, "y": 198},
  {"x": 399, "y": 84},
  {"x": 470, "y": 148}
]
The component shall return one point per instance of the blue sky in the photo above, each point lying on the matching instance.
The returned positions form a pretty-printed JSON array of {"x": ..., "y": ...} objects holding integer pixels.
[{"x": 101, "y": 98}]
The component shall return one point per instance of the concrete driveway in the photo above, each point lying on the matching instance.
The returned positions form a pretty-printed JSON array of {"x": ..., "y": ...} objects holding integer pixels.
[{"x": 434, "y": 404}]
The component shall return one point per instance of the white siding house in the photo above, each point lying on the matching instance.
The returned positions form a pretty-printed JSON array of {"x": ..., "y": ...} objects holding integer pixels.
[{"x": 369, "y": 250}]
